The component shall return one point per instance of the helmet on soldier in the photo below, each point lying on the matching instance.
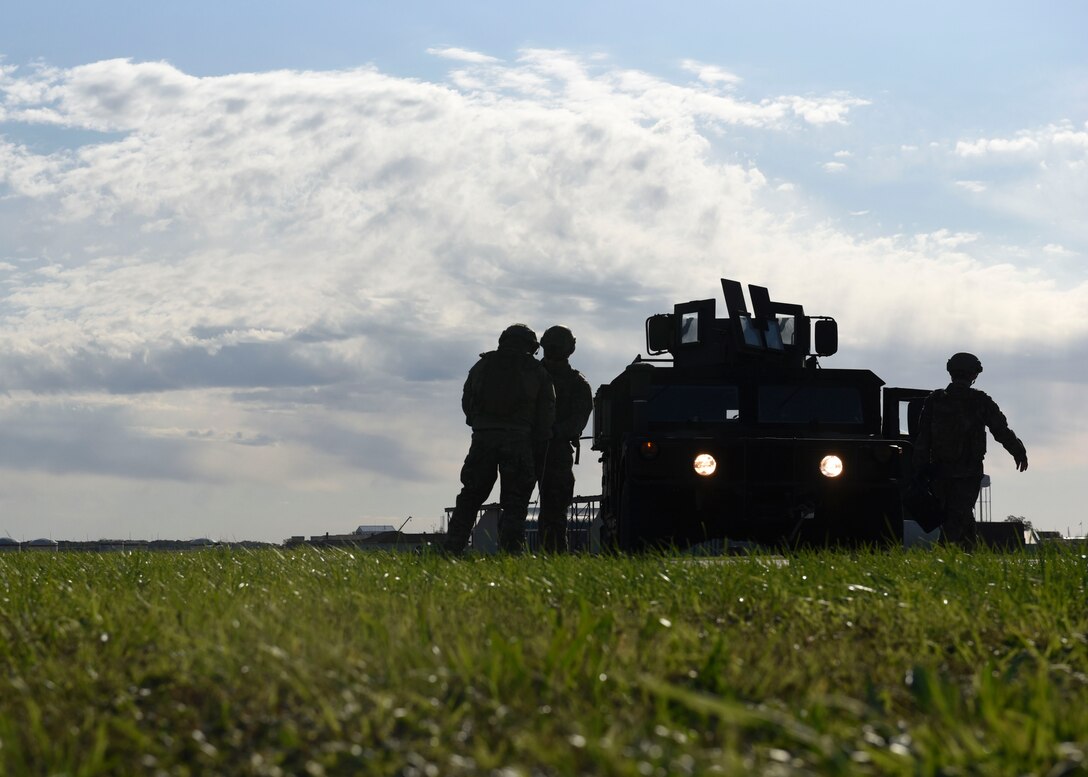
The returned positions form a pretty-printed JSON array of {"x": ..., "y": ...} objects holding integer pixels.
[
  {"x": 519, "y": 336},
  {"x": 558, "y": 342},
  {"x": 964, "y": 365}
]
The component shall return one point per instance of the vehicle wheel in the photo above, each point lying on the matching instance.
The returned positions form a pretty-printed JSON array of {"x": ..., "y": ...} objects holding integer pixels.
[{"x": 610, "y": 509}]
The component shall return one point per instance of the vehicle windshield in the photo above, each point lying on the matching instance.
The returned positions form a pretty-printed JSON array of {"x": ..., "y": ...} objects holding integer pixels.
[
  {"x": 693, "y": 404},
  {"x": 802, "y": 404}
]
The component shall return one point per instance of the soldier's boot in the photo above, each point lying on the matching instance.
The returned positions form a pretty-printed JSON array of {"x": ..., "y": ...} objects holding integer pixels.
[
  {"x": 556, "y": 491},
  {"x": 553, "y": 530},
  {"x": 959, "y": 532},
  {"x": 512, "y": 531},
  {"x": 461, "y": 523}
]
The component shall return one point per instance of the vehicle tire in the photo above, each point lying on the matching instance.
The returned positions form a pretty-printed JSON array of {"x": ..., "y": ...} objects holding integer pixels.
[{"x": 610, "y": 511}]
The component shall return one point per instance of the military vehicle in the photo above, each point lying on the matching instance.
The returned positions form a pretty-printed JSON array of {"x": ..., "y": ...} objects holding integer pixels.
[{"x": 732, "y": 428}]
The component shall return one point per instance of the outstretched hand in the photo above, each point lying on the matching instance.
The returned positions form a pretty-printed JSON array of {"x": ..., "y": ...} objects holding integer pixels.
[{"x": 1021, "y": 462}]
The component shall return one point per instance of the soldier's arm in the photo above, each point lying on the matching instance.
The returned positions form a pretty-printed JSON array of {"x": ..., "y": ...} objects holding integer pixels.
[
  {"x": 583, "y": 406},
  {"x": 545, "y": 407},
  {"x": 999, "y": 428},
  {"x": 468, "y": 393},
  {"x": 579, "y": 408}
]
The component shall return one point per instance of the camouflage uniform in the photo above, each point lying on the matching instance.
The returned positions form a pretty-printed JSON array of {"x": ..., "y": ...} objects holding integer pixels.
[
  {"x": 573, "y": 405},
  {"x": 509, "y": 402},
  {"x": 950, "y": 447}
]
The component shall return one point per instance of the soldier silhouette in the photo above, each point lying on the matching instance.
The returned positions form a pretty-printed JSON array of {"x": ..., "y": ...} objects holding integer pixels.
[
  {"x": 509, "y": 402},
  {"x": 951, "y": 445},
  {"x": 556, "y": 457}
]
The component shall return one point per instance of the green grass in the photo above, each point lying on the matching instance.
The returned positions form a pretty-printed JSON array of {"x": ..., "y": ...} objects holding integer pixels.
[{"x": 312, "y": 662}]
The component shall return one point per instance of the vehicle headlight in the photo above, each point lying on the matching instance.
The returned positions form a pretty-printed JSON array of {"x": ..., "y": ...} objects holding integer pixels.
[
  {"x": 705, "y": 465},
  {"x": 831, "y": 466}
]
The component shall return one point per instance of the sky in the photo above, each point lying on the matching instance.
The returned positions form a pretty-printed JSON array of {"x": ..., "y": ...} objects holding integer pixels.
[{"x": 249, "y": 251}]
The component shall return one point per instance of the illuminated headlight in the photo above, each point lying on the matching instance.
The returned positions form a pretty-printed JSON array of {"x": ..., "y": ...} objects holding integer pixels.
[
  {"x": 705, "y": 464},
  {"x": 831, "y": 466}
]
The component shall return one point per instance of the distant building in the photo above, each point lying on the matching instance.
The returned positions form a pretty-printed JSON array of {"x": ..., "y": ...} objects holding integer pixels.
[{"x": 369, "y": 530}]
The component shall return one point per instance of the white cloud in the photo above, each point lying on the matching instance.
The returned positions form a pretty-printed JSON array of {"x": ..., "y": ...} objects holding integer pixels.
[
  {"x": 945, "y": 239},
  {"x": 1055, "y": 139},
  {"x": 1039, "y": 176},
  {"x": 463, "y": 55},
  {"x": 824, "y": 110},
  {"x": 711, "y": 74},
  {"x": 834, "y": 167},
  {"x": 996, "y": 146},
  {"x": 1074, "y": 139}
]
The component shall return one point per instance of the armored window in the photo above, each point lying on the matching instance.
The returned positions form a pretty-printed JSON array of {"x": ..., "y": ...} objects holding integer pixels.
[
  {"x": 787, "y": 328},
  {"x": 773, "y": 335},
  {"x": 750, "y": 332},
  {"x": 689, "y": 328},
  {"x": 693, "y": 404},
  {"x": 788, "y": 404}
]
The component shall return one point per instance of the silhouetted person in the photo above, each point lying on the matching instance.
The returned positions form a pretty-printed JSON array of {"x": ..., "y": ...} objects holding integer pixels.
[
  {"x": 555, "y": 458},
  {"x": 509, "y": 402},
  {"x": 951, "y": 444}
]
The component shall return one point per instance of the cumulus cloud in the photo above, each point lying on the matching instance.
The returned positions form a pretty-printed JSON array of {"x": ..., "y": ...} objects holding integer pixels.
[
  {"x": 272, "y": 269},
  {"x": 1056, "y": 142},
  {"x": 711, "y": 74},
  {"x": 1038, "y": 176},
  {"x": 65, "y": 437},
  {"x": 462, "y": 55},
  {"x": 1078, "y": 140},
  {"x": 825, "y": 110},
  {"x": 263, "y": 198},
  {"x": 996, "y": 146}
]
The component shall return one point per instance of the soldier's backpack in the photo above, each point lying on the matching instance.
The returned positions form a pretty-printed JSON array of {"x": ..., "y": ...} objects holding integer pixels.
[
  {"x": 503, "y": 389},
  {"x": 954, "y": 428}
]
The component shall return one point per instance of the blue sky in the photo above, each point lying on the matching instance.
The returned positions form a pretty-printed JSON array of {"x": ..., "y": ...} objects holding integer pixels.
[{"x": 248, "y": 250}]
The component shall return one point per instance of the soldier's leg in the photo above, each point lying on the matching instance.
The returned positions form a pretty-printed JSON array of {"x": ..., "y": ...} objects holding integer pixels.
[
  {"x": 517, "y": 476},
  {"x": 477, "y": 479},
  {"x": 556, "y": 492},
  {"x": 958, "y": 495},
  {"x": 964, "y": 497}
]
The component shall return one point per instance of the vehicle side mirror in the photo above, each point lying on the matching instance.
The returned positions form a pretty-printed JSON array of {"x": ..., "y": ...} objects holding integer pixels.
[
  {"x": 826, "y": 337},
  {"x": 660, "y": 330}
]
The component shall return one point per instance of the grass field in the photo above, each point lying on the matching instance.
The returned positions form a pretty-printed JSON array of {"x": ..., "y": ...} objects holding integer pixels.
[{"x": 330, "y": 662}]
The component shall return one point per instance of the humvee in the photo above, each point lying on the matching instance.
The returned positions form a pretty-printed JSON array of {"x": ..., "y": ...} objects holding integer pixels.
[{"x": 732, "y": 428}]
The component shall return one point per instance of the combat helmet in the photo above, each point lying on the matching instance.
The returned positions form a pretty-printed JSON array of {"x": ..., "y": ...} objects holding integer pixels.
[
  {"x": 558, "y": 342},
  {"x": 519, "y": 336},
  {"x": 966, "y": 364}
]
